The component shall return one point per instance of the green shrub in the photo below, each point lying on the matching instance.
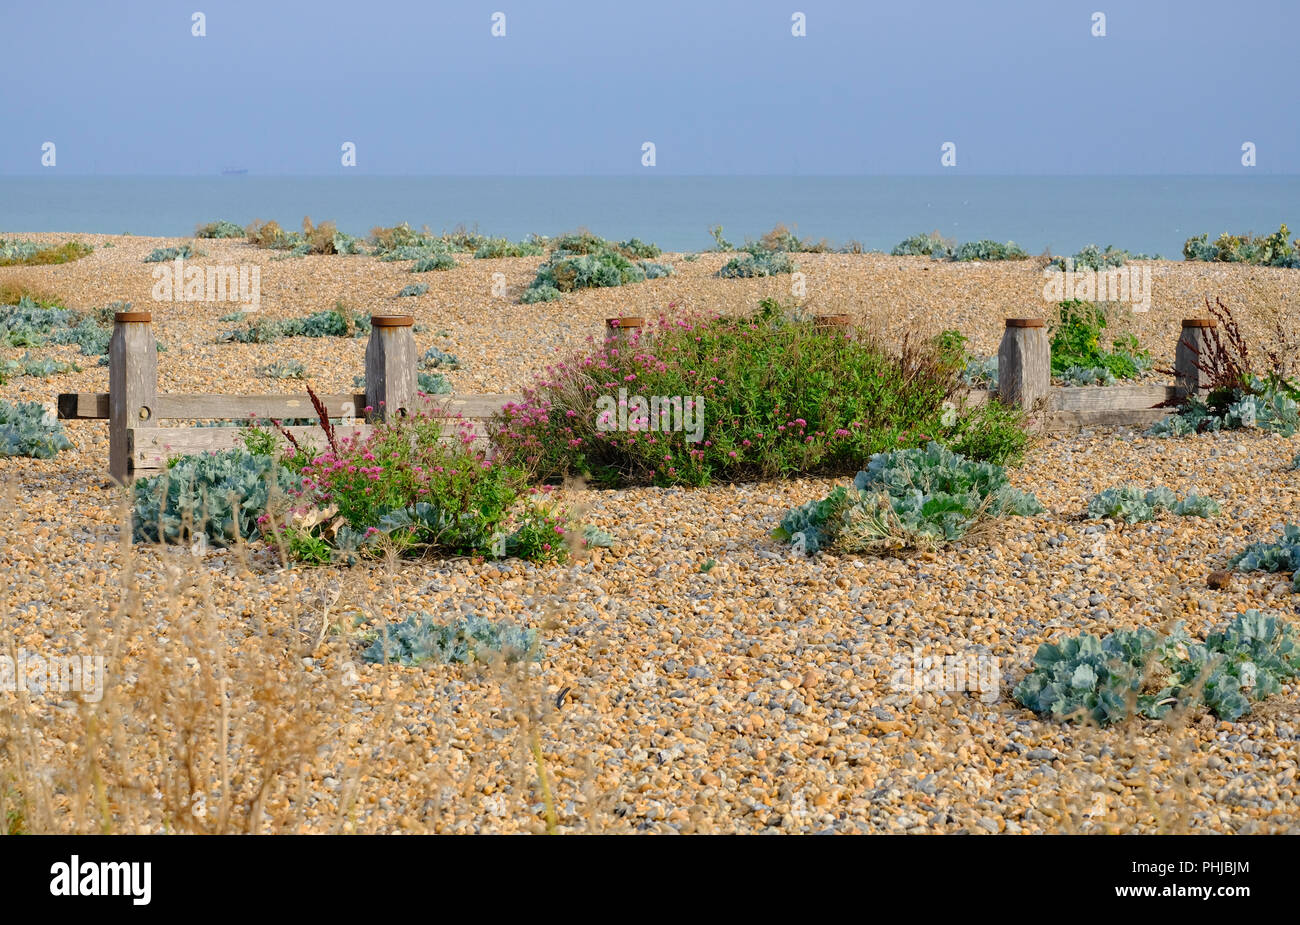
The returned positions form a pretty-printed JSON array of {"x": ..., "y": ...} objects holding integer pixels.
[
  {"x": 220, "y": 495},
  {"x": 759, "y": 397},
  {"x": 1265, "y": 404},
  {"x": 1077, "y": 354},
  {"x": 1142, "y": 672},
  {"x": 905, "y": 500},
  {"x": 42, "y": 367},
  {"x": 163, "y": 254},
  {"x": 757, "y": 264},
  {"x": 420, "y": 638},
  {"x": 654, "y": 270},
  {"x": 582, "y": 242},
  {"x": 636, "y": 249},
  {"x": 493, "y": 248},
  {"x": 414, "y": 289},
  {"x": 434, "y": 262},
  {"x": 1132, "y": 505},
  {"x": 1273, "y": 250},
  {"x": 436, "y": 358},
  {"x": 30, "y": 254},
  {"x": 220, "y": 230},
  {"x": 433, "y": 383},
  {"x": 924, "y": 245},
  {"x": 283, "y": 369},
  {"x": 989, "y": 250},
  {"x": 539, "y": 294},
  {"x": 1280, "y": 556},
  {"x": 27, "y": 429}
]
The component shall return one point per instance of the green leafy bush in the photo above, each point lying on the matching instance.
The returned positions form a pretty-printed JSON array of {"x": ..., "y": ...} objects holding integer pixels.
[
  {"x": 283, "y": 369},
  {"x": 989, "y": 250},
  {"x": 493, "y": 248},
  {"x": 162, "y": 254},
  {"x": 220, "y": 495},
  {"x": 433, "y": 383},
  {"x": 539, "y": 294},
  {"x": 421, "y": 638},
  {"x": 1091, "y": 257},
  {"x": 757, "y": 264},
  {"x": 1077, "y": 350},
  {"x": 1280, "y": 556},
  {"x": 654, "y": 270},
  {"x": 42, "y": 367},
  {"x": 908, "y": 499},
  {"x": 746, "y": 398},
  {"x": 437, "y": 358},
  {"x": 32, "y": 254},
  {"x": 636, "y": 249},
  {"x": 923, "y": 245},
  {"x": 1132, "y": 505},
  {"x": 434, "y": 262},
  {"x": 27, "y": 429},
  {"x": 1265, "y": 404},
  {"x": 1273, "y": 250},
  {"x": 414, "y": 289},
  {"x": 220, "y": 230},
  {"x": 1142, "y": 672}
]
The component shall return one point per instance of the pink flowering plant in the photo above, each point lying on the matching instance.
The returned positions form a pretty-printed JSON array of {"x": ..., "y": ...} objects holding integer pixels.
[{"x": 777, "y": 396}]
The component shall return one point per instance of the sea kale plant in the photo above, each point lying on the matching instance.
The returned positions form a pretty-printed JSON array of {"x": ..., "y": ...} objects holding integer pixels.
[
  {"x": 1143, "y": 672},
  {"x": 220, "y": 230},
  {"x": 28, "y": 429},
  {"x": 1275, "y": 250},
  {"x": 163, "y": 254},
  {"x": 1132, "y": 505},
  {"x": 701, "y": 399},
  {"x": 421, "y": 638},
  {"x": 937, "y": 247},
  {"x": 917, "y": 499},
  {"x": 224, "y": 496},
  {"x": 1280, "y": 556}
]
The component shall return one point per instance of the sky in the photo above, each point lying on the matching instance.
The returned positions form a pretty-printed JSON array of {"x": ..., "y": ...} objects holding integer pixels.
[{"x": 577, "y": 87}]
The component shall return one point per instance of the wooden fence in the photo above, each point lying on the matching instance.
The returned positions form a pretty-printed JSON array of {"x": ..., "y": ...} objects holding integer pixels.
[{"x": 138, "y": 445}]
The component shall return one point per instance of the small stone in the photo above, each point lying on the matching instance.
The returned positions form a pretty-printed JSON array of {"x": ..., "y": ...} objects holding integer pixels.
[{"x": 1219, "y": 580}]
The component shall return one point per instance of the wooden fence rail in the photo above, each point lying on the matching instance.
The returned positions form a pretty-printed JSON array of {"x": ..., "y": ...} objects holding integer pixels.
[{"x": 138, "y": 446}]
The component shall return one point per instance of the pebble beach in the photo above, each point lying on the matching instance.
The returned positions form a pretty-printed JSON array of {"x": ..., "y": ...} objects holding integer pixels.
[{"x": 695, "y": 678}]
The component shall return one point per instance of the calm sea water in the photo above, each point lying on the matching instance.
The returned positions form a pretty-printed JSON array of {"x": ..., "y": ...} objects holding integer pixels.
[{"x": 1140, "y": 213}]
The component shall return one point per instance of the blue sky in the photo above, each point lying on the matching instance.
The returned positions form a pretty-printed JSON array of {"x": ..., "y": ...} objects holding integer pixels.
[{"x": 719, "y": 87}]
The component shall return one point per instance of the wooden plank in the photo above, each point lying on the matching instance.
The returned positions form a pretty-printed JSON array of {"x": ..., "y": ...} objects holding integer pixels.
[
  {"x": 1112, "y": 397},
  {"x": 132, "y": 387},
  {"x": 90, "y": 406},
  {"x": 1059, "y": 421}
]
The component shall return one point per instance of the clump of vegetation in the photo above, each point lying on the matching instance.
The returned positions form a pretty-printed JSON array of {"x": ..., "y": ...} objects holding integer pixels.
[
  {"x": 434, "y": 262},
  {"x": 28, "y": 429},
  {"x": 433, "y": 383},
  {"x": 1237, "y": 397},
  {"x": 1145, "y": 673},
  {"x": 42, "y": 367},
  {"x": 219, "y": 230},
  {"x": 757, "y": 263},
  {"x": 222, "y": 496},
  {"x": 283, "y": 369},
  {"x": 1273, "y": 250},
  {"x": 339, "y": 321},
  {"x": 437, "y": 358},
  {"x": 636, "y": 249},
  {"x": 543, "y": 293},
  {"x": 324, "y": 238},
  {"x": 719, "y": 242},
  {"x": 420, "y": 638},
  {"x": 566, "y": 271},
  {"x": 907, "y": 500},
  {"x": 414, "y": 289},
  {"x": 261, "y": 331},
  {"x": 938, "y": 247},
  {"x": 493, "y": 248},
  {"x": 15, "y": 253},
  {"x": 1280, "y": 556},
  {"x": 163, "y": 254},
  {"x": 1091, "y": 257},
  {"x": 759, "y": 397},
  {"x": 1132, "y": 505},
  {"x": 28, "y": 324},
  {"x": 782, "y": 239},
  {"x": 1077, "y": 353},
  {"x": 654, "y": 270}
]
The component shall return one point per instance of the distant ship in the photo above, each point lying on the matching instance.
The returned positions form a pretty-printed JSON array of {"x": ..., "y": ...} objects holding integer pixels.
[{"x": 233, "y": 171}]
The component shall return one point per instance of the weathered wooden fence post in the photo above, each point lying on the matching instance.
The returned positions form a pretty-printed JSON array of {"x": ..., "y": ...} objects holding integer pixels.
[
  {"x": 391, "y": 375},
  {"x": 619, "y": 331},
  {"x": 1024, "y": 363},
  {"x": 1193, "y": 342},
  {"x": 132, "y": 387}
]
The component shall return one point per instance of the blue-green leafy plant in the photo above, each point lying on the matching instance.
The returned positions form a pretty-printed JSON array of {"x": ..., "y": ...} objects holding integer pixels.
[
  {"x": 1147, "y": 673},
  {"x": 422, "y": 638},
  {"x": 1280, "y": 556},
  {"x": 436, "y": 358},
  {"x": 433, "y": 383},
  {"x": 220, "y": 230},
  {"x": 923, "y": 245},
  {"x": 989, "y": 250},
  {"x": 414, "y": 289},
  {"x": 757, "y": 263},
  {"x": 1275, "y": 250},
  {"x": 654, "y": 270},
  {"x": 1133, "y": 505},
  {"x": 493, "y": 248},
  {"x": 923, "y": 498},
  {"x": 1266, "y": 405},
  {"x": 220, "y": 495},
  {"x": 27, "y": 429},
  {"x": 161, "y": 254},
  {"x": 594, "y": 536},
  {"x": 440, "y": 261},
  {"x": 42, "y": 367},
  {"x": 283, "y": 369},
  {"x": 1091, "y": 257}
]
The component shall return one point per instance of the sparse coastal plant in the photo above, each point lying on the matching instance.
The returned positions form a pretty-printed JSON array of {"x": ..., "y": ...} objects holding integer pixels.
[
  {"x": 421, "y": 638},
  {"x": 433, "y": 383},
  {"x": 917, "y": 499},
  {"x": 757, "y": 263},
  {"x": 41, "y": 367},
  {"x": 27, "y": 428},
  {"x": 1283, "y": 555},
  {"x": 1133, "y": 505},
  {"x": 1274, "y": 250},
  {"x": 989, "y": 250},
  {"x": 437, "y": 358},
  {"x": 719, "y": 242},
  {"x": 1147, "y": 673},
  {"x": 414, "y": 289},
  {"x": 15, "y": 253},
  {"x": 219, "y": 230},
  {"x": 924, "y": 245},
  {"x": 1091, "y": 257},
  {"x": 434, "y": 262},
  {"x": 283, "y": 369},
  {"x": 163, "y": 254},
  {"x": 493, "y": 248}
]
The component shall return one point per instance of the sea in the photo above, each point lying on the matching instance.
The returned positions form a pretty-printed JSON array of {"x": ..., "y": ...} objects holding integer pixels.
[{"x": 1044, "y": 214}]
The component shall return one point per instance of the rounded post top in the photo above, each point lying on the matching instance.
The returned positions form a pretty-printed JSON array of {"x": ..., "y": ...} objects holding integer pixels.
[
  {"x": 1200, "y": 323},
  {"x": 392, "y": 321},
  {"x": 132, "y": 317},
  {"x": 630, "y": 322},
  {"x": 1026, "y": 323}
]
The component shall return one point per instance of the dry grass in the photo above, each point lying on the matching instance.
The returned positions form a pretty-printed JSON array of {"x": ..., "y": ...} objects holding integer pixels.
[{"x": 66, "y": 252}]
